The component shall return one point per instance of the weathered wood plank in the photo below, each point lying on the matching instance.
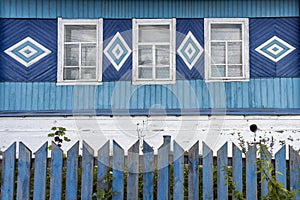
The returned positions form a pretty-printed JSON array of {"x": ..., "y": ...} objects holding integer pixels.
[
  {"x": 178, "y": 191},
  {"x": 280, "y": 165},
  {"x": 294, "y": 170},
  {"x": 193, "y": 165},
  {"x": 118, "y": 172},
  {"x": 56, "y": 173},
  {"x": 133, "y": 171},
  {"x": 265, "y": 158},
  {"x": 8, "y": 172},
  {"x": 237, "y": 168},
  {"x": 103, "y": 167},
  {"x": 23, "y": 182},
  {"x": 72, "y": 172},
  {"x": 222, "y": 165},
  {"x": 251, "y": 176},
  {"x": 40, "y": 172},
  {"x": 87, "y": 172},
  {"x": 163, "y": 185},
  {"x": 207, "y": 172},
  {"x": 148, "y": 179}
]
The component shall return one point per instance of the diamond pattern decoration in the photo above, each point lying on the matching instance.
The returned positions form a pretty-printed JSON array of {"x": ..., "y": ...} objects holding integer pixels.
[
  {"x": 190, "y": 50},
  {"x": 27, "y": 51},
  {"x": 275, "y": 49},
  {"x": 117, "y": 51}
]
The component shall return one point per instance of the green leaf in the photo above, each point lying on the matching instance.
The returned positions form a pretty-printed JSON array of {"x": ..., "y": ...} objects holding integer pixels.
[
  {"x": 50, "y": 148},
  {"x": 51, "y": 135},
  {"x": 53, "y": 128}
]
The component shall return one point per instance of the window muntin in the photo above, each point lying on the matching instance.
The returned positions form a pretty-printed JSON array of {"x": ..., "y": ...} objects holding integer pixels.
[
  {"x": 153, "y": 55},
  {"x": 227, "y": 47},
  {"x": 79, "y": 51}
]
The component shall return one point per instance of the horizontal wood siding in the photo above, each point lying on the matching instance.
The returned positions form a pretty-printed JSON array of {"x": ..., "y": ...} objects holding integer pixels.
[{"x": 147, "y": 8}]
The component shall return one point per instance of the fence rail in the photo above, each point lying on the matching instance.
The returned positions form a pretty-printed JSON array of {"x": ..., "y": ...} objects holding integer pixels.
[{"x": 139, "y": 177}]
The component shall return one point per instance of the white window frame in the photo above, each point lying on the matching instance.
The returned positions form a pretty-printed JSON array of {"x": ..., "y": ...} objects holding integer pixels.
[
  {"x": 245, "y": 44},
  {"x": 60, "y": 50},
  {"x": 135, "y": 39}
]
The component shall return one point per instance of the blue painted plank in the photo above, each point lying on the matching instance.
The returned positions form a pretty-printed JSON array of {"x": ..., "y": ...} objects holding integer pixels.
[
  {"x": 207, "y": 172},
  {"x": 8, "y": 172},
  {"x": 251, "y": 176},
  {"x": 103, "y": 167},
  {"x": 23, "y": 181},
  {"x": 280, "y": 165},
  {"x": 133, "y": 171},
  {"x": 87, "y": 172},
  {"x": 294, "y": 170},
  {"x": 118, "y": 172},
  {"x": 40, "y": 172},
  {"x": 193, "y": 165},
  {"x": 72, "y": 172},
  {"x": 148, "y": 163},
  {"x": 56, "y": 173},
  {"x": 222, "y": 164},
  {"x": 178, "y": 190},
  {"x": 163, "y": 185},
  {"x": 237, "y": 168},
  {"x": 266, "y": 158}
]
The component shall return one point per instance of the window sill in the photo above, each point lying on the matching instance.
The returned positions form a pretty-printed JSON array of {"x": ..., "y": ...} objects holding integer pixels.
[
  {"x": 158, "y": 82},
  {"x": 227, "y": 80},
  {"x": 78, "y": 83}
]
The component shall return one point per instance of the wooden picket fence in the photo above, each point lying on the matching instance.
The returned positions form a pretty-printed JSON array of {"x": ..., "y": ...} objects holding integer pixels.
[{"x": 25, "y": 177}]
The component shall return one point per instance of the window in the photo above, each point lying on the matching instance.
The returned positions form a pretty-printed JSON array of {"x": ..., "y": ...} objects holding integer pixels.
[
  {"x": 227, "y": 49},
  {"x": 154, "y": 51},
  {"x": 79, "y": 51}
]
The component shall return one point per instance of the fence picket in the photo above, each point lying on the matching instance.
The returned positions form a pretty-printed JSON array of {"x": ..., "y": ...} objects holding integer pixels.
[
  {"x": 23, "y": 182},
  {"x": 148, "y": 164},
  {"x": 72, "y": 172},
  {"x": 40, "y": 173},
  {"x": 133, "y": 171},
  {"x": 87, "y": 172},
  {"x": 222, "y": 160},
  {"x": 178, "y": 172},
  {"x": 103, "y": 167},
  {"x": 193, "y": 163},
  {"x": 118, "y": 172},
  {"x": 8, "y": 172},
  {"x": 251, "y": 176},
  {"x": 280, "y": 165},
  {"x": 56, "y": 173},
  {"x": 237, "y": 168},
  {"x": 163, "y": 185},
  {"x": 294, "y": 170},
  {"x": 207, "y": 172},
  {"x": 266, "y": 157}
]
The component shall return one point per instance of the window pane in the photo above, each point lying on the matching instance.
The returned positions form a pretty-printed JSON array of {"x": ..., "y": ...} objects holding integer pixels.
[
  {"x": 163, "y": 72},
  {"x": 162, "y": 55},
  {"x": 89, "y": 73},
  {"x": 234, "y": 52},
  {"x": 71, "y": 73},
  {"x": 145, "y": 72},
  {"x": 218, "y": 52},
  {"x": 88, "y": 54},
  {"x": 71, "y": 56},
  {"x": 226, "y": 31},
  {"x": 80, "y": 33},
  {"x": 154, "y": 33},
  {"x": 218, "y": 71},
  {"x": 235, "y": 71},
  {"x": 145, "y": 55}
]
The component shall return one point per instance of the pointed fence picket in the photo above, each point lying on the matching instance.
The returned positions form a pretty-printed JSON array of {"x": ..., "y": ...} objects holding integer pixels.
[{"x": 120, "y": 176}]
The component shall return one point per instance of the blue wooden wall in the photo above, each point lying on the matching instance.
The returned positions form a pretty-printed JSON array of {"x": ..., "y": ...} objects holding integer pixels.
[{"x": 147, "y": 8}]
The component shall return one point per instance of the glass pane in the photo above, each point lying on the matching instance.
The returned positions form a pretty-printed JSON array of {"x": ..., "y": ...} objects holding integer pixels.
[
  {"x": 234, "y": 52},
  {"x": 163, "y": 72},
  {"x": 145, "y": 55},
  {"x": 162, "y": 55},
  {"x": 218, "y": 71},
  {"x": 235, "y": 71},
  {"x": 80, "y": 33},
  {"x": 71, "y": 56},
  {"x": 71, "y": 73},
  {"x": 88, "y": 54},
  {"x": 89, "y": 73},
  {"x": 145, "y": 73},
  {"x": 154, "y": 33},
  {"x": 218, "y": 52},
  {"x": 226, "y": 31}
]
